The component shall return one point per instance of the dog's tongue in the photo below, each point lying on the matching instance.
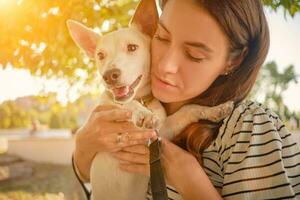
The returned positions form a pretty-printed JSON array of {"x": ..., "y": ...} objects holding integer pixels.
[{"x": 122, "y": 91}]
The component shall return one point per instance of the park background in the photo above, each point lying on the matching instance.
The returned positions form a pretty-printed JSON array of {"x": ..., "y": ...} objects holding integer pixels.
[{"x": 48, "y": 87}]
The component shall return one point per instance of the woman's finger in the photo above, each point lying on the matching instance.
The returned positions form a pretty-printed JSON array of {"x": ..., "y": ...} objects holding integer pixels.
[
  {"x": 131, "y": 157},
  {"x": 103, "y": 107},
  {"x": 139, "y": 149},
  {"x": 107, "y": 128},
  {"x": 113, "y": 115},
  {"x": 136, "y": 168},
  {"x": 114, "y": 141},
  {"x": 122, "y": 146},
  {"x": 141, "y": 134},
  {"x": 126, "y": 137}
]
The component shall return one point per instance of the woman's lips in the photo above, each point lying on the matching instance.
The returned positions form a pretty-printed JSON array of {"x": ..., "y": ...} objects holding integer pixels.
[{"x": 163, "y": 83}]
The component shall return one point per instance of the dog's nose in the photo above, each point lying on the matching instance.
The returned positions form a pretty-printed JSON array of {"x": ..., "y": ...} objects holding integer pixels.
[{"x": 112, "y": 76}]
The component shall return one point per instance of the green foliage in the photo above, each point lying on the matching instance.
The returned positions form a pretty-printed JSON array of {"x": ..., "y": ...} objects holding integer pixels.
[
  {"x": 43, "y": 111},
  {"x": 34, "y": 35},
  {"x": 289, "y": 6},
  {"x": 272, "y": 84},
  {"x": 17, "y": 117}
]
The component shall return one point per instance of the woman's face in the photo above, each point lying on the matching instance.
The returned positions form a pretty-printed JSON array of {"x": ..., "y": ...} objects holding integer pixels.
[{"x": 189, "y": 51}]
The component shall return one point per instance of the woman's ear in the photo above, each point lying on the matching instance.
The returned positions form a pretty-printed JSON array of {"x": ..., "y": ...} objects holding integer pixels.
[
  {"x": 235, "y": 61},
  {"x": 84, "y": 37},
  {"x": 146, "y": 17}
]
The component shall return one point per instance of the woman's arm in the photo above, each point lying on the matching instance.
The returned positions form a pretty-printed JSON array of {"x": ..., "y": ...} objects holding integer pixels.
[
  {"x": 82, "y": 164},
  {"x": 196, "y": 185},
  {"x": 184, "y": 172}
]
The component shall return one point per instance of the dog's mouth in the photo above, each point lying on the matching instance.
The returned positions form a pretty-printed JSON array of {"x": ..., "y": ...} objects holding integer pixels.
[{"x": 122, "y": 93}]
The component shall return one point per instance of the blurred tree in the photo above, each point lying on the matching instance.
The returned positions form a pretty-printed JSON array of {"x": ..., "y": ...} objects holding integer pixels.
[
  {"x": 271, "y": 84},
  {"x": 34, "y": 33},
  {"x": 46, "y": 111},
  {"x": 290, "y": 6},
  {"x": 55, "y": 121},
  {"x": 34, "y": 36}
]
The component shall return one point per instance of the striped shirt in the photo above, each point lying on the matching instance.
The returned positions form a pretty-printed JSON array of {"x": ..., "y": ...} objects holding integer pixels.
[{"x": 253, "y": 157}]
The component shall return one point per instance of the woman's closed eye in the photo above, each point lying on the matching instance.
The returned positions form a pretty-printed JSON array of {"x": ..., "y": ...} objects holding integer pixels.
[
  {"x": 163, "y": 39},
  {"x": 193, "y": 58}
]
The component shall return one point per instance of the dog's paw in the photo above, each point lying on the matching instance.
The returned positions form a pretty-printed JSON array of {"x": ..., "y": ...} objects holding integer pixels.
[
  {"x": 140, "y": 119},
  {"x": 151, "y": 122},
  {"x": 147, "y": 120},
  {"x": 221, "y": 111}
]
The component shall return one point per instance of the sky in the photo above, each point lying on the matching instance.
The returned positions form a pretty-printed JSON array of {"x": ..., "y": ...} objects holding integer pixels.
[{"x": 284, "y": 49}]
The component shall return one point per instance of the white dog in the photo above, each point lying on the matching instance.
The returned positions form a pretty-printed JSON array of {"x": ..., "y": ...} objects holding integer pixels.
[{"x": 123, "y": 60}]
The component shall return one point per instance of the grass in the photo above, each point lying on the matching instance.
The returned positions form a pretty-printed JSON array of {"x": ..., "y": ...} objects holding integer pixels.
[{"x": 48, "y": 182}]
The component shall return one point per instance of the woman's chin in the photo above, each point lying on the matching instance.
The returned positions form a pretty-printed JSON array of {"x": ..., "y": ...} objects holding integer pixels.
[{"x": 162, "y": 97}]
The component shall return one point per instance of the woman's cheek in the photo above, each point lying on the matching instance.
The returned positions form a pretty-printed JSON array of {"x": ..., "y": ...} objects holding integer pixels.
[
  {"x": 196, "y": 82},
  {"x": 154, "y": 62},
  {"x": 154, "y": 51}
]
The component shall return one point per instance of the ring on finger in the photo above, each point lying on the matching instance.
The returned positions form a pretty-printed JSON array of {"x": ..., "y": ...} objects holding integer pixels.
[
  {"x": 122, "y": 137},
  {"x": 119, "y": 138}
]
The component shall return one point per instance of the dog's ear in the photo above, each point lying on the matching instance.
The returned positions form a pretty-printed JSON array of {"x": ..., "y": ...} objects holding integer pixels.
[
  {"x": 84, "y": 37},
  {"x": 146, "y": 17}
]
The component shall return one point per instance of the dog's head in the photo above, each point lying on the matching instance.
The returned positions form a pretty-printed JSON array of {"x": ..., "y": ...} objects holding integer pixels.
[{"x": 123, "y": 56}]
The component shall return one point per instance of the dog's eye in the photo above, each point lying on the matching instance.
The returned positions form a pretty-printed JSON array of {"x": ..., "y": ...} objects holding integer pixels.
[
  {"x": 132, "y": 47},
  {"x": 101, "y": 55}
]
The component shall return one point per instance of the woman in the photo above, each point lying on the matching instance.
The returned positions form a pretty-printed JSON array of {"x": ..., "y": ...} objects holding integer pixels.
[{"x": 206, "y": 52}]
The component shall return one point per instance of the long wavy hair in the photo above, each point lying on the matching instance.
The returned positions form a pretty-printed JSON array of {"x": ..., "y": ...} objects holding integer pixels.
[{"x": 244, "y": 23}]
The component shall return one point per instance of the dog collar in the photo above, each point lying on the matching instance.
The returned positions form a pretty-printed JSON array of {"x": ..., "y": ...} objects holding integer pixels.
[{"x": 145, "y": 100}]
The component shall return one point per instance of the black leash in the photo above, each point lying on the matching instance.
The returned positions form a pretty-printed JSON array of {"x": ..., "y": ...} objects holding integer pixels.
[
  {"x": 157, "y": 179},
  {"x": 86, "y": 191}
]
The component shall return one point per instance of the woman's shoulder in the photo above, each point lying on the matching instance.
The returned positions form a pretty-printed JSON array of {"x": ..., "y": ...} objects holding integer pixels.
[
  {"x": 253, "y": 152},
  {"x": 248, "y": 119},
  {"x": 247, "y": 112},
  {"x": 248, "y": 115}
]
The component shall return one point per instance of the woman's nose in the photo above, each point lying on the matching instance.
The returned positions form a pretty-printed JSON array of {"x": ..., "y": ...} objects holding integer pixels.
[{"x": 169, "y": 62}]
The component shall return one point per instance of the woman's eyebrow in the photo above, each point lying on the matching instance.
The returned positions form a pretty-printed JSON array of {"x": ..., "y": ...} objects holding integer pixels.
[
  {"x": 193, "y": 44},
  {"x": 200, "y": 45}
]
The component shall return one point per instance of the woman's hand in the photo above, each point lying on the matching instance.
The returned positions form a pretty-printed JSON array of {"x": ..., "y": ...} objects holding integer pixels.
[
  {"x": 134, "y": 159},
  {"x": 181, "y": 169},
  {"x": 175, "y": 160},
  {"x": 100, "y": 134},
  {"x": 178, "y": 164}
]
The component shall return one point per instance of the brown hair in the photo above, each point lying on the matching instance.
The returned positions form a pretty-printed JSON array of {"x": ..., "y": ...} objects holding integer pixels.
[{"x": 244, "y": 23}]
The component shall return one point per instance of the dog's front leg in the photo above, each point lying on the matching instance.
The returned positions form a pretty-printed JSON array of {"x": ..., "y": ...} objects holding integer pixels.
[{"x": 177, "y": 122}]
